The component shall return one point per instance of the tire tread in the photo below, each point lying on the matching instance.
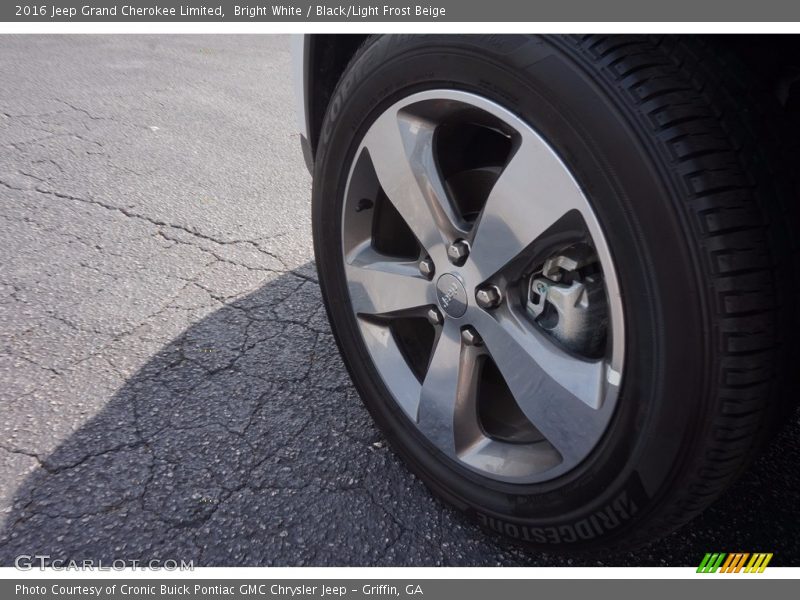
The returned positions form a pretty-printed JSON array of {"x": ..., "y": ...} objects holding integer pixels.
[{"x": 721, "y": 138}]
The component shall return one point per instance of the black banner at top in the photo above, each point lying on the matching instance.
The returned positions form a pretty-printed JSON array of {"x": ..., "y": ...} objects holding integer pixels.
[{"x": 401, "y": 11}]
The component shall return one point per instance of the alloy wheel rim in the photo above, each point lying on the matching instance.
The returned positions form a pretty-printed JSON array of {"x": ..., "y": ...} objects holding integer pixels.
[{"x": 415, "y": 253}]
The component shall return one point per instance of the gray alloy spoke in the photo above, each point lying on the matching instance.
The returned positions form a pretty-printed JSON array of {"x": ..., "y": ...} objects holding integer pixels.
[
  {"x": 531, "y": 194},
  {"x": 401, "y": 148},
  {"x": 447, "y": 414},
  {"x": 560, "y": 394},
  {"x": 379, "y": 286}
]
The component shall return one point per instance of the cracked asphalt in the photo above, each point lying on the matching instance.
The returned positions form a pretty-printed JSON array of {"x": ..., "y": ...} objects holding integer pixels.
[{"x": 169, "y": 387}]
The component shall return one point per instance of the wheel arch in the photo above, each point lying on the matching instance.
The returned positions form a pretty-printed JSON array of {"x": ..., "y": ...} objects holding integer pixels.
[{"x": 326, "y": 57}]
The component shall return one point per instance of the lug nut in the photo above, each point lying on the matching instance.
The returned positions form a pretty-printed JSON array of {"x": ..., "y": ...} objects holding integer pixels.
[
  {"x": 434, "y": 316},
  {"x": 489, "y": 296},
  {"x": 458, "y": 251},
  {"x": 426, "y": 268},
  {"x": 470, "y": 337}
]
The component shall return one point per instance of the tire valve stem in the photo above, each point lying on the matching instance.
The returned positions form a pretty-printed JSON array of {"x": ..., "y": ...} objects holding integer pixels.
[{"x": 364, "y": 204}]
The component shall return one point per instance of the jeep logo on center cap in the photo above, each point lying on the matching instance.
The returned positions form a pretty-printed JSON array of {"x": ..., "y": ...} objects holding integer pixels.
[{"x": 452, "y": 295}]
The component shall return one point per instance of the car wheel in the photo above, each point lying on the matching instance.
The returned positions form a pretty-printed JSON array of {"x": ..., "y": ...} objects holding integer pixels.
[{"x": 552, "y": 268}]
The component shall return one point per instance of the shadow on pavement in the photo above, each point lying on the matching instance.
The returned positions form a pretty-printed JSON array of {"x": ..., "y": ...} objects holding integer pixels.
[{"x": 242, "y": 442}]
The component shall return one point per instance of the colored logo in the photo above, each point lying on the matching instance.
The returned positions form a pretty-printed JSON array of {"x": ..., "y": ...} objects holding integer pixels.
[{"x": 737, "y": 562}]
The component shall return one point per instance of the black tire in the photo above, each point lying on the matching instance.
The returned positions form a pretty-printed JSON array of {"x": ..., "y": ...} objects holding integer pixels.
[{"x": 676, "y": 162}]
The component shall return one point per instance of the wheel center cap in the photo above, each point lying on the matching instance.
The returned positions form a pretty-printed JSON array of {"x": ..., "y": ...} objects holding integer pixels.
[{"x": 452, "y": 295}]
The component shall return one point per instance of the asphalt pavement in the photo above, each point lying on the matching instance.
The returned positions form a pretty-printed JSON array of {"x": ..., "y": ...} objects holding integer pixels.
[{"x": 169, "y": 388}]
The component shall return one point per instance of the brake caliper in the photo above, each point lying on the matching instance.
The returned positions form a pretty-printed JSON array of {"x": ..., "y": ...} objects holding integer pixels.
[{"x": 567, "y": 300}]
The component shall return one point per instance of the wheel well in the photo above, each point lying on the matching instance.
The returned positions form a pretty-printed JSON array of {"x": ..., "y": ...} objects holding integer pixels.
[
  {"x": 775, "y": 57},
  {"x": 329, "y": 55}
]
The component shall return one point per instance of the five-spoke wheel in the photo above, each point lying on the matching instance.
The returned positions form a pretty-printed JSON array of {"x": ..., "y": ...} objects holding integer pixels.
[{"x": 483, "y": 286}]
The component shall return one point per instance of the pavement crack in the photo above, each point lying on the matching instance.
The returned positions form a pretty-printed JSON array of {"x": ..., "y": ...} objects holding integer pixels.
[
  {"x": 84, "y": 111},
  {"x": 12, "y": 187},
  {"x": 21, "y": 452},
  {"x": 159, "y": 223},
  {"x": 216, "y": 256}
]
